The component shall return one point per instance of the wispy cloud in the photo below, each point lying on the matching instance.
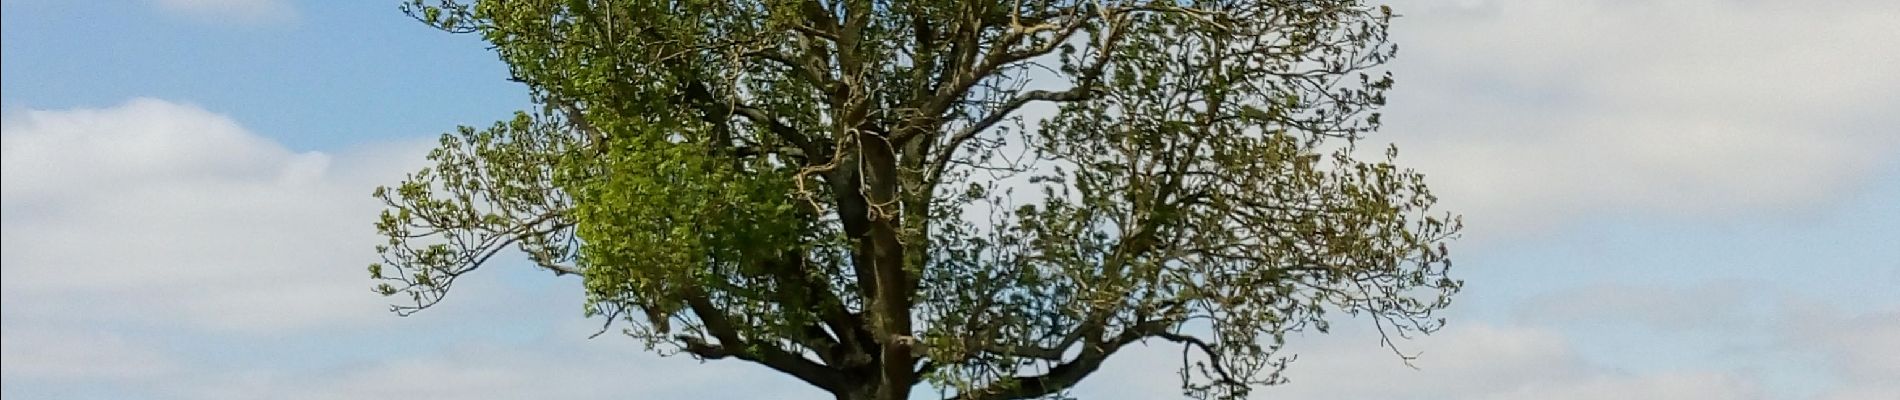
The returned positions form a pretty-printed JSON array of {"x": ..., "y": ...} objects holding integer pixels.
[
  {"x": 1843, "y": 354},
  {"x": 240, "y": 11},
  {"x": 563, "y": 367},
  {"x": 1467, "y": 361},
  {"x": 77, "y": 355}
]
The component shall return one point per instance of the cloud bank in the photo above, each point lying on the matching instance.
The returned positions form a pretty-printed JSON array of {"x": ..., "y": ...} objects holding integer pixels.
[
  {"x": 154, "y": 249},
  {"x": 164, "y": 213},
  {"x": 1536, "y": 112}
]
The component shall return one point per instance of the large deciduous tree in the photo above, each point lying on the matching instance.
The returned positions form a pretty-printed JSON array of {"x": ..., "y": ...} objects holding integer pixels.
[{"x": 984, "y": 198}]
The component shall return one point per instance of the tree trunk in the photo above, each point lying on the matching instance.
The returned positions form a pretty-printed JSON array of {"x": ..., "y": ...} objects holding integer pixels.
[{"x": 860, "y": 392}]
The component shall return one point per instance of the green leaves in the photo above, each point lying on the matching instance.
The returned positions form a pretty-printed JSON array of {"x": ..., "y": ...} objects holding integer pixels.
[
  {"x": 751, "y": 179},
  {"x": 661, "y": 214}
]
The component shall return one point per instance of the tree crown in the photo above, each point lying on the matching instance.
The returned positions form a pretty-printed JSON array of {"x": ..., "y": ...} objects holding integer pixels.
[{"x": 988, "y": 197}]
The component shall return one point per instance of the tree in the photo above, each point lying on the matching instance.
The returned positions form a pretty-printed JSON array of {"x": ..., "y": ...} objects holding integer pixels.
[{"x": 986, "y": 198}]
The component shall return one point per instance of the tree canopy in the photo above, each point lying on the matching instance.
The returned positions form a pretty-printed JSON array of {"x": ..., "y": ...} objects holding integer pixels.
[{"x": 985, "y": 198}]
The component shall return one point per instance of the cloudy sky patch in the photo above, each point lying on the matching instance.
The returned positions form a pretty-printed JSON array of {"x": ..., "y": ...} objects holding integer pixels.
[{"x": 1665, "y": 199}]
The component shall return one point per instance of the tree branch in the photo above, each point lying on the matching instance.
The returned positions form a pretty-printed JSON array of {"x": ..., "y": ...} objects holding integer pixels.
[
  {"x": 767, "y": 354},
  {"x": 1067, "y": 374},
  {"x": 1222, "y": 376},
  {"x": 713, "y": 109},
  {"x": 949, "y": 150}
]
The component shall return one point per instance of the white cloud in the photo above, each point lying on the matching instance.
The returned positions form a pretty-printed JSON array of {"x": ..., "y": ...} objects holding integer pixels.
[
  {"x": 136, "y": 237},
  {"x": 248, "y": 11},
  {"x": 1866, "y": 345},
  {"x": 1806, "y": 344},
  {"x": 1859, "y": 349},
  {"x": 1529, "y": 113},
  {"x": 1468, "y": 361},
  {"x": 561, "y": 367},
  {"x": 1714, "y": 340},
  {"x": 1667, "y": 386},
  {"x": 136, "y": 232},
  {"x": 36, "y": 353},
  {"x": 166, "y": 213},
  {"x": 1718, "y": 307}
]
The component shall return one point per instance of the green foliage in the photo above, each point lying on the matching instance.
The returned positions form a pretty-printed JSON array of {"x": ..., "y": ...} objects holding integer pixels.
[{"x": 850, "y": 191}]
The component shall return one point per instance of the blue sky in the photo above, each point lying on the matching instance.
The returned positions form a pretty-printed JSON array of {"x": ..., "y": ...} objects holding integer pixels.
[{"x": 1665, "y": 199}]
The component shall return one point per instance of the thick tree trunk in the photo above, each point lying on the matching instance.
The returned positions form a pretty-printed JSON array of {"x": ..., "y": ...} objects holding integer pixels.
[
  {"x": 891, "y": 301},
  {"x": 866, "y": 392}
]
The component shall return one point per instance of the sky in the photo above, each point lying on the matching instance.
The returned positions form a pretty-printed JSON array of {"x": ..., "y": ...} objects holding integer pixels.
[{"x": 1686, "y": 199}]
